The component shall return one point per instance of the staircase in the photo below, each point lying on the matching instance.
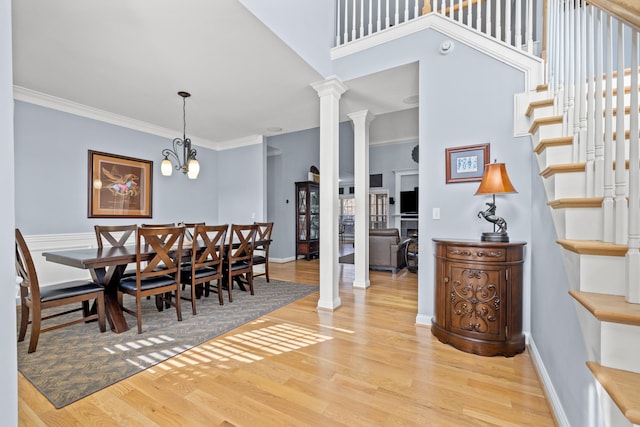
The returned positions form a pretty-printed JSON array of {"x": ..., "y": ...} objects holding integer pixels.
[{"x": 597, "y": 270}]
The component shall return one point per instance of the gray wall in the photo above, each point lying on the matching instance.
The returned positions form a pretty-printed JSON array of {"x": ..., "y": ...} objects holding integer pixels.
[
  {"x": 51, "y": 159},
  {"x": 467, "y": 98},
  {"x": 296, "y": 152},
  {"x": 8, "y": 360}
]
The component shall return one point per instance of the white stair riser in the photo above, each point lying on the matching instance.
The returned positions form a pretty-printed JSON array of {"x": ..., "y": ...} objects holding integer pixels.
[
  {"x": 595, "y": 273},
  {"x": 541, "y": 112},
  {"x": 549, "y": 131},
  {"x": 610, "y": 344},
  {"x": 555, "y": 155},
  {"x": 578, "y": 223},
  {"x": 565, "y": 185}
]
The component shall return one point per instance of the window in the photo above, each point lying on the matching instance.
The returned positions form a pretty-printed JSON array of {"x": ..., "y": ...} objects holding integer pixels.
[{"x": 378, "y": 209}]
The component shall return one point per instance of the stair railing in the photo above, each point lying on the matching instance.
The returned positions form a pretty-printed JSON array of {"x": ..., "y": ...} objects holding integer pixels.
[
  {"x": 509, "y": 21},
  {"x": 583, "y": 44}
]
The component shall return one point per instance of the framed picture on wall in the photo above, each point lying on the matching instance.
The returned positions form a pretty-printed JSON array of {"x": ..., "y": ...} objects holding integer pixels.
[
  {"x": 119, "y": 186},
  {"x": 465, "y": 164}
]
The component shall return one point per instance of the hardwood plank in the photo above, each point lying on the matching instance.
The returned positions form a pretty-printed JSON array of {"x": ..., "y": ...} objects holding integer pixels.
[{"x": 366, "y": 363}]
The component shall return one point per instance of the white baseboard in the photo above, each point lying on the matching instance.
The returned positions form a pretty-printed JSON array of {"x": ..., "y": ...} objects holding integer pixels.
[
  {"x": 556, "y": 405},
  {"x": 423, "y": 320},
  {"x": 282, "y": 260}
]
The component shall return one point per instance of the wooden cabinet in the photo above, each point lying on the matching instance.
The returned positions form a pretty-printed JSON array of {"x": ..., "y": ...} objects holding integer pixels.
[
  {"x": 307, "y": 219},
  {"x": 478, "y": 296}
]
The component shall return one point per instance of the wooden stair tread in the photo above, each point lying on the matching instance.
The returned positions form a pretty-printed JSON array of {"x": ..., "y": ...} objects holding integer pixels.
[
  {"x": 593, "y": 247},
  {"x": 553, "y": 142},
  {"x": 551, "y": 120},
  {"x": 542, "y": 88},
  {"x": 623, "y": 388},
  {"x": 578, "y": 202},
  {"x": 539, "y": 104},
  {"x": 609, "y": 308},
  {"x": 563, "y": 168}
]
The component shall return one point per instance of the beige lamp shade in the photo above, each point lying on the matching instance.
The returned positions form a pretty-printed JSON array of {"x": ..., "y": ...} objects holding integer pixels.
[{"x": 495, "y": 180}]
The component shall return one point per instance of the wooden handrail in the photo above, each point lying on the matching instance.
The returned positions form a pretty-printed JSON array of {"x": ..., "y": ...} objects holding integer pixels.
[
  {"x": 427, "y": 6},
  {"x": 626, "y": 10}
]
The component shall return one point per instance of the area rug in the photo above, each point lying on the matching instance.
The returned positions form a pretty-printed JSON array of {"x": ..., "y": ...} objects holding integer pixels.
[
  {"x": 346, "y": 259},
  {"x": 74, "y": 362}
]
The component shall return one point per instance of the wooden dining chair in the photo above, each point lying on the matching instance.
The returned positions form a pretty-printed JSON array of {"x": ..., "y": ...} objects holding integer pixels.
[
  {"x": 116, "y": 236},
  {"x": 189, "y": 229},
  {"x": 261, "y": 247},
  {"x": 158, "y": 255},
  {"x": 205, "y": 266},
  {"x": 239, "y": 260},
  {"x": 35, "y": 300}
]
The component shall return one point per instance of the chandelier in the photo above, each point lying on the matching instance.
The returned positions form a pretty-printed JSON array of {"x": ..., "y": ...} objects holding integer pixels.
[{"x": 188, "y": 165}]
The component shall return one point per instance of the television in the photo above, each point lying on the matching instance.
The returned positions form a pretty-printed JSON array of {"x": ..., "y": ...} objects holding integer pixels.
[{"x": 409, "y": 201}]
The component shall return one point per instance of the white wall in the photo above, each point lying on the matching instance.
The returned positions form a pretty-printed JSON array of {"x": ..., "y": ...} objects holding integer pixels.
[{"x": 8, "y": 359}]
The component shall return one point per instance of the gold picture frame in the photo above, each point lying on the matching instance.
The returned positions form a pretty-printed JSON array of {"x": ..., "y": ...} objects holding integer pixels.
[{"x": 119, "y": 186}]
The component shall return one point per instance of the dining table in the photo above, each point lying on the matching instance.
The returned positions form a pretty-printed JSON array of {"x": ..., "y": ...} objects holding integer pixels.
[{"x": 107, "y": 266}]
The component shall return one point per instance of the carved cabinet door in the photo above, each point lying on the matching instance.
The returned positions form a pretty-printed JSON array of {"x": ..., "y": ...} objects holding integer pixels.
[{"x": 476, "y": 301}]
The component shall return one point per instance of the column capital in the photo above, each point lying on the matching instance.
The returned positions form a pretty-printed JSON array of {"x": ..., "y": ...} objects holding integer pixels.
[
  {"x": 365, "y": 116},
  {"x": 331, "y": 86}
]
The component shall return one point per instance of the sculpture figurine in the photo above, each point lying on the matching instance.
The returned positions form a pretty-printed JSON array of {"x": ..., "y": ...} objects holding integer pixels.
[{"x": 490, "y": 215}]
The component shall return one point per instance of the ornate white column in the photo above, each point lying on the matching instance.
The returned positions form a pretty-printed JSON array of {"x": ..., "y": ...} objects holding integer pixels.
[
  {"x": 329, "y": 92},
  {"x": 361, "y": 121}
]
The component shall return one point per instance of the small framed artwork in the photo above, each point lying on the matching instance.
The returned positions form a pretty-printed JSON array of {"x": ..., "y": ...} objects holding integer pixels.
[
  {"x": 119, "y": 186},
  {"x": 465, "y": 164}
]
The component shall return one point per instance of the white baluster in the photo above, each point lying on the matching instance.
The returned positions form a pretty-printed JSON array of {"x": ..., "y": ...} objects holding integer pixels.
[
  {"x": 589, "y": 116},
  {"x": 460, "y": 11},
  {"x": 499, "y": 20},
  {"x": 632, "y": 258},
  {"x": 529, "y": 27},
  {"x": 479, "y": 16},
  {"x": 451, "y": 11},
  {"x": 416, "y": 8},
  {"x": 338, "y": 22},
  {"x": 346, "y": 21},
  {"x": 571, "y": 87},
  {"x": 620, "y": 198},
  {"x": 469, "y": 16},
  {"x": 567, "y": 67},
  {"x": 578, "y": 85},
  {"x": 406, "y": 10},
  {"x": 507, "y": 21},
  {"x": 488, "y": 18},
  {"x": 370, "y": 23},
  {"x": 354, "y": 25},
  {"x": 598, "y": 166},
  {"x": 518, "y": 40},
  {"x": 361, "y": 29},
  {"x": 608, "y": 216},
  {"x": 582, "y": 76},
  {"x": 378, "y": 23},
  {"x": 397, "y": 15},
  {"x": 386, "y": 18},
  {"x": 560, "y": 58}
]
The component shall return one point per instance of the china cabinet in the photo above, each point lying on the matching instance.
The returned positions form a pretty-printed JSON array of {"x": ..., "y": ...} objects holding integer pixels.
[{"x": 307, "y": 219}]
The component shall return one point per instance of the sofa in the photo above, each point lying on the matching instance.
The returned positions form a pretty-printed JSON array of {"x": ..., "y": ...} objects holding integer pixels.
[{"x": 386, "y": 249}]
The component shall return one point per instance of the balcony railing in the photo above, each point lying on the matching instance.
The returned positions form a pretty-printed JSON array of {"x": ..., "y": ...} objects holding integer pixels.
[{"x": 509, "y": 21}]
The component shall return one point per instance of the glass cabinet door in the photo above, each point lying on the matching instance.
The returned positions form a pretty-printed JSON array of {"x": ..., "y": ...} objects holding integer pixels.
[{"x": 314, "y": 214}]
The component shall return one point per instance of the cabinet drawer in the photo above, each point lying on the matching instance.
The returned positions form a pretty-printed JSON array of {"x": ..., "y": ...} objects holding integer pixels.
[{"x": 476, "y": 254}]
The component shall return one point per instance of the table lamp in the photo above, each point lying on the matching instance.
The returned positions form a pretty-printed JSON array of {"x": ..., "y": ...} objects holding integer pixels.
[{"x": 495, "y": 181}]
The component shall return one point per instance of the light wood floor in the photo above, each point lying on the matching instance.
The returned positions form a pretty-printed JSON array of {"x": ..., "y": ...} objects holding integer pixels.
[{"x": 365, "y": 364}]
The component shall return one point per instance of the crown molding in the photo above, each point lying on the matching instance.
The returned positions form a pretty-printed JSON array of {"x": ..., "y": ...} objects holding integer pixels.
[
  {"x": 60, "y": 104},
  {"x": 408, "y": 139},
  {"x": 240, "y": 142}
]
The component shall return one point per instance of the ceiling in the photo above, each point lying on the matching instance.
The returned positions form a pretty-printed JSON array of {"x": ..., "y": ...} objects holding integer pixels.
[{"x": 130, "y": 58}]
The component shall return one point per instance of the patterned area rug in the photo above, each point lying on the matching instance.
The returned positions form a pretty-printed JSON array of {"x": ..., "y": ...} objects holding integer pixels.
[{"x": 73, "y": 362}]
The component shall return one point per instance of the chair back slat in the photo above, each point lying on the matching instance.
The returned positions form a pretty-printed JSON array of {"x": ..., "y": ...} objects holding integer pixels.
[
  {"x": 241, "y": 241},
  {"x": 116, "y": 235},
  {"x": 166, "y": 244},
  {"x": 208, "y": 246}
]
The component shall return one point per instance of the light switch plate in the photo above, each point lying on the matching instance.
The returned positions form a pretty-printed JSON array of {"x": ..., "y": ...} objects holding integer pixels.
[{"x": 436, "y": 213}]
